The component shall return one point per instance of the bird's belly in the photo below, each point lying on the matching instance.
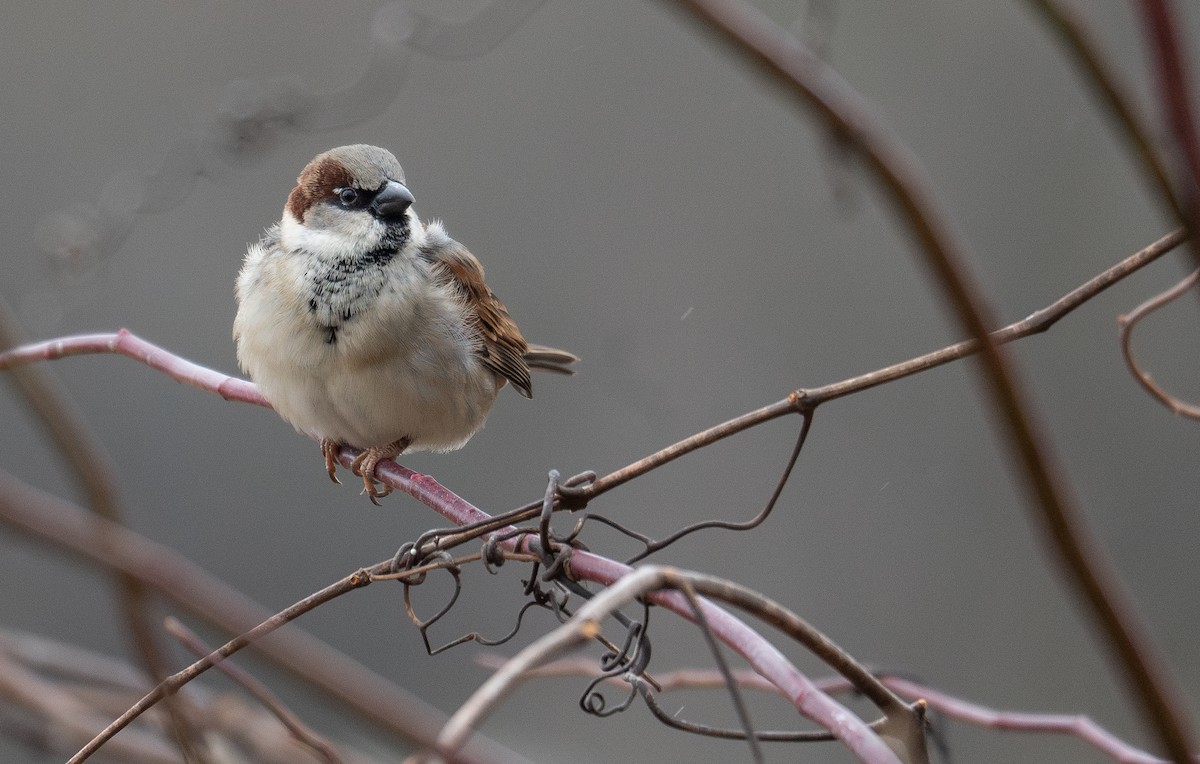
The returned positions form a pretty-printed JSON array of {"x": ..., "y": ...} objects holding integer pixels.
[
  {"x": 436, "y": 409},
  {"x": 437, "y": 394}
]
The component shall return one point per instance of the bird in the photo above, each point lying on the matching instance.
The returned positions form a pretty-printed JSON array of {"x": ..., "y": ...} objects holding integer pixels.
[{"x": 365, "y": 327}]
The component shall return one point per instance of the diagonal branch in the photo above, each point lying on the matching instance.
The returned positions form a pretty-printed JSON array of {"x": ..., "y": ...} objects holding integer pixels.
[
  {"x": 81, "y": 451},
  {"x": 427, "y": 490},
  {"x": 430, "y": 492},
  {"x": 1174, "y": 89},
  {"x": 56, "y": 521},
  {"x": 1085, "y": 50},
  {"x": 786, "y": 61},
  {"x": 302, "y": 733},
  {"x": 809, "y": 398},
  {"x": 173, "y": 683},
  {"x": 585, "y": 625}
]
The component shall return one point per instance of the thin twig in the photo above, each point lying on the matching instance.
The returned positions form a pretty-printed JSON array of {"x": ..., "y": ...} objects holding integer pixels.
[
  {"x": 950, "y": 706},
  {"x": 1174, "y": 90},
  {"x": 301, "y": 732},
  {"x": 585, "y": 566},
  {"x": 80, "y": 450},
  {"x": 774, "y": 736},
  {"x": 585, "y": 626},
  {"x": 127, "y": 344},
  {"x": 1067, "y": 724},
  {"x": 1130, "y": 320},
  {"x": 1085, "y": 52},
  {"x": 739, "y": 705},
  {"x": 171, "y": 684},
  {"x": 1037, "y": 322},
  {"x": 56, "y": 521},
  {"x": 780, "y": 56},
  {"x": 903, "y": 722},
  {"x": 425, "y": 489}
]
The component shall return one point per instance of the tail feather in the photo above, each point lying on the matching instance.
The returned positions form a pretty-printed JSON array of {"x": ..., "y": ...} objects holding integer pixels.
[{"x": 554, "y": 360}]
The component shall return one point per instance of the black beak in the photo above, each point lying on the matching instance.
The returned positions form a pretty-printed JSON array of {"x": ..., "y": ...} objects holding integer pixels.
[{"x": 392, "y": 201}]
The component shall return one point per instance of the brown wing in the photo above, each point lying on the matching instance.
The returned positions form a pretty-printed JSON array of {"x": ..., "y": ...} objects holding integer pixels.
[{"x": 501, "y": 347}]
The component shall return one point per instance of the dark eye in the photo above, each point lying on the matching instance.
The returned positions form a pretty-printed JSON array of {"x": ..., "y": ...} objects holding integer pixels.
[{"x": 348, "y": 197}]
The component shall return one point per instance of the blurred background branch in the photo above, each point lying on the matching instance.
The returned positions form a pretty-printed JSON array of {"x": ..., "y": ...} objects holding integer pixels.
[{"x": 645, "y": 200}]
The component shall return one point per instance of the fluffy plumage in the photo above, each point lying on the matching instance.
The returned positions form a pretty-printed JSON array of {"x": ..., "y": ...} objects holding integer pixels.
[{"x": 367, "y": 328}]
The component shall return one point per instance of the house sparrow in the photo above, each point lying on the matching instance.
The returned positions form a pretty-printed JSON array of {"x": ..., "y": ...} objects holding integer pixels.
[{"x": 364, "y": 327}]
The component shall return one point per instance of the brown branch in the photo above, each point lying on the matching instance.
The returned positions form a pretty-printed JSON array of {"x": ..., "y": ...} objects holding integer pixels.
[
  {"x": 1085, "y": 51},
  {"x": 809, "y": 398},
  {"x": 1130, "y": 320},
  {"x": 171, "y": 684},
  {"x": 1174, "y": 89},
  {"x": 57, "y": 696},
  {"x": 82, "y": 453},
  {"x": 430, "y": 492},
  {"x": 57, "y": 522},
  {"x": 301, "y": 732},
  {"x": 982, "y": 716},
  {"x": 54, "y": 520},
  {"x": 951, "y": 706},
  {"x": 781, "y": 57},
  {"x": 72, "y": 719},
  {"x": 585, "y": 625}
]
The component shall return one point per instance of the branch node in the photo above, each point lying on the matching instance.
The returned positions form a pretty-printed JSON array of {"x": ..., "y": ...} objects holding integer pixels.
[{"x": 798, "y": 399}]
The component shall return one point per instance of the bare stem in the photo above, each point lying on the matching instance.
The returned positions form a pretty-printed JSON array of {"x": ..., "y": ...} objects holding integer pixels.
[
  {"x": 787, "y": 62},
  {"x": 81, "y": 451},
  {"x": 1077, "y": 38},
  {"x": 55, "y": 521},
  {"x": 1130, "y": 320},
  {"x": 585, "y": 625},
  {"x": 301, "y": 732},
  {"x": 1167, "y": 56},
  {"x": 809, "y": 398},
  {"x": 427, "y": 490},
  {"x": 171, "y": 684}
]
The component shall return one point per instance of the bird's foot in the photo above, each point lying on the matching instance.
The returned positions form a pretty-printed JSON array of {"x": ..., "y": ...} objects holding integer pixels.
[
  {"x": 365, "y": 463},
  {"x": 329, "y": 449}
]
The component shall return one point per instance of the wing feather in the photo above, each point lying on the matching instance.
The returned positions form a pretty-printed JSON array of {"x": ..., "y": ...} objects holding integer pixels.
[{"x": 501, "y": 346}]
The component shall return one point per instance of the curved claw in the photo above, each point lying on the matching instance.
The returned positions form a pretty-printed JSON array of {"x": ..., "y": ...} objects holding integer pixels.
[
  {"x": 365, "y": 463},
  {"x": 329, "y": 449}
]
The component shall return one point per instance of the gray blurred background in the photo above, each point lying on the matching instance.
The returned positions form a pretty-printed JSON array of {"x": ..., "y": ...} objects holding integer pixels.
[{"x": 642, "y": 198}]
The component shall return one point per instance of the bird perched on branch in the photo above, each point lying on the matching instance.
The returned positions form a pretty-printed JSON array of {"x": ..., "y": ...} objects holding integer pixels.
[{"x": 364, "y": 327}]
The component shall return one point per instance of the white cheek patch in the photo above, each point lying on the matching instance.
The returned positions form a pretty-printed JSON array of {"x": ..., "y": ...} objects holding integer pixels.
[{"x": 353, "y": 235}]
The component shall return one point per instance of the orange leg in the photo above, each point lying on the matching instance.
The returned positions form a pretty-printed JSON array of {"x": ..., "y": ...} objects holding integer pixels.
[{"x": 365, "y": 463}]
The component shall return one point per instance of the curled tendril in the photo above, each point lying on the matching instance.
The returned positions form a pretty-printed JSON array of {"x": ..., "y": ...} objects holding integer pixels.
[
  {"x": 629, "y": 660},
  {"x": 539, "y": 598},
  {"x": 652, "y": 546},
  {"x": 405, "y": 557},
  {"x": 492, "y": 555},
  {"x": 572, "y": 493}
]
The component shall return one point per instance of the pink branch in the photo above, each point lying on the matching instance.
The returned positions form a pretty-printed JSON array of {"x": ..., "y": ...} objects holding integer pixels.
[
  {"x": 1076, "y": 725},
  {"x": 762, "y": 656},
  {"x": 760, "y": 653},
  {"x": 129, "y": 344}
]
